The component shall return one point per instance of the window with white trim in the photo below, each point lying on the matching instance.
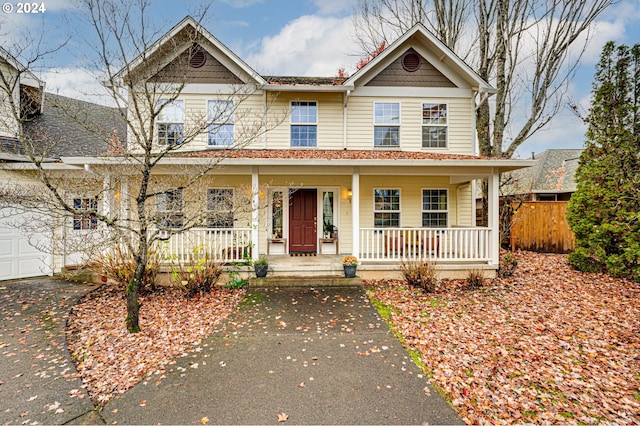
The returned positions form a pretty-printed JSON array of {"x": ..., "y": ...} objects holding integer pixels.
[
  {"x": 435, "y": 208},
  {"x": 170, "y": 122},
  {"x": 434, "y": 125},
  {"x": 386, "y": 208},
  {"x": 85, "y": 218},
  {"x": 220, "y": 208},
  {"x": 304, "y": 124},
  {"x": 169, "y": 205},
  {"x": 386, "y": 124},
  {"x": 221, "y": 115}
]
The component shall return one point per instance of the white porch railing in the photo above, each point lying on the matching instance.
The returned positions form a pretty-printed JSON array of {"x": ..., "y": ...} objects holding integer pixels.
[
  {"x": 221, "y": 244},
  {"x": 436, "y": 244}
]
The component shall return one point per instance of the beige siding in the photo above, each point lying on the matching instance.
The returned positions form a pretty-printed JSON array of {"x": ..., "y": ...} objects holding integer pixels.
[
  {"x": 460, "y": 126},
  {"x": 330, "y": 119},
  {"x": 8, "y": 121},
  {"x": 248, "y": 126},
  {"x": 410, "y": 198}
]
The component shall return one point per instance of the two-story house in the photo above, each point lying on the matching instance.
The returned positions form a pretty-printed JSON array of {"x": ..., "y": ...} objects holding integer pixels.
[{"x": 381, "y": 164}]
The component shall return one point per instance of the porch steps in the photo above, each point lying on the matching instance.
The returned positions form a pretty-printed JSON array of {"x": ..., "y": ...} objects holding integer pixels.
[{"x": 305, "y": 281}]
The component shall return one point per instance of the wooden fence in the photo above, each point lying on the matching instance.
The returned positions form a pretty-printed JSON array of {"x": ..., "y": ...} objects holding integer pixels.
[{"x": 541, "y": 226}]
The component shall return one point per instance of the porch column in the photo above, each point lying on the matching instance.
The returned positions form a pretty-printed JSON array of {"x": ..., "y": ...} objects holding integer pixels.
[
  {"x": 255, "y": 216},
  {"x": 493, "y": 217},
  {"x": 355, "y": 211},
  {"x": 108, "y": 195}
]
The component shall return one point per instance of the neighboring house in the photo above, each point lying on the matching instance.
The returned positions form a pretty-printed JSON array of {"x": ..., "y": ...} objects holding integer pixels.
[
  {"x": 552, "y": 178},
  {"x": 56, "y": 130},
  {"x": 539, "y": 196},
  {"x": 21, "y": 95},
  {"x": 380, "y": 165}
]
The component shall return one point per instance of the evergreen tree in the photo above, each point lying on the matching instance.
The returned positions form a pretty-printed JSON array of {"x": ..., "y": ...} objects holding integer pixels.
[{"x": 604, "y": 212}]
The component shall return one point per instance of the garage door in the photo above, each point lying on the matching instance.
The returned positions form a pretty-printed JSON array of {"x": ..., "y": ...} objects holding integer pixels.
[{"x": 19, "y": 258}]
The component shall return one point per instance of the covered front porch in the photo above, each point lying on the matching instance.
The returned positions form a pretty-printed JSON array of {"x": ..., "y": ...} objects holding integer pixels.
[{"x": 383, "y": 211}]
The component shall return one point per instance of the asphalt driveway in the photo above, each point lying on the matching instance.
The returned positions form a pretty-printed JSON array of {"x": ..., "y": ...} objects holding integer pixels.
[
  {"x": 310, "y": 356},
  {"x": 38, "y": 381},
  {"x": 295, "y": 355}
]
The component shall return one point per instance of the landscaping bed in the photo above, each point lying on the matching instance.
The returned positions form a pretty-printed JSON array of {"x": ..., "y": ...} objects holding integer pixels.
[
  {"x": 548, "y": 344},
  {"x": 110, "y": 360}
]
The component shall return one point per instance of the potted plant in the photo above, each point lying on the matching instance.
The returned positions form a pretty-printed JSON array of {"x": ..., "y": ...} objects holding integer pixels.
[
  {"x": 261, "y": 266},
  {"x": 350, "y": 264}
]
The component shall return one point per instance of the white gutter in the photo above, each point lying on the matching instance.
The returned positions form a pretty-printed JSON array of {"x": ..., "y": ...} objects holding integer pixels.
[{"x": 345, "y": 121}]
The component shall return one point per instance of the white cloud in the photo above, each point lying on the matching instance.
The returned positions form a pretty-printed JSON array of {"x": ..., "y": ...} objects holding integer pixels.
[
  {"x": 309, "y": 45},
  {"x": 76, "y": 83}
]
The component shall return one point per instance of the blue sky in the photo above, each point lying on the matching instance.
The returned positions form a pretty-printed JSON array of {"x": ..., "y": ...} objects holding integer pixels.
[{"x": 291, "y": 37}]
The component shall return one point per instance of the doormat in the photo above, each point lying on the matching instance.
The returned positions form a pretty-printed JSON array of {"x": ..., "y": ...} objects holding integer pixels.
[{"x": 301, "y": 254}]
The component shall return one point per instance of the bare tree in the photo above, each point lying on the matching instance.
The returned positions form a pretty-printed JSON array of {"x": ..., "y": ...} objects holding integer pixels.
[
  {"x": 145, "y": 88},
  {"x": 528, "y": 49}
]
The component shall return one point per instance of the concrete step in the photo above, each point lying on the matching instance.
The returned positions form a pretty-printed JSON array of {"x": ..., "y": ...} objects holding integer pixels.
[{"x": 305, "y": 281}]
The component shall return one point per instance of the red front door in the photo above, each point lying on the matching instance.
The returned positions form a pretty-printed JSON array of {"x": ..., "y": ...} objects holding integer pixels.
[{"x": 303, "y": 205}]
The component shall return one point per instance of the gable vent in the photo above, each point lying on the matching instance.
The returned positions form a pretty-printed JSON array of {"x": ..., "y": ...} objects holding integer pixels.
[
  {"x": 411, "y": 61},
  {"x": 198, "y": 58}
]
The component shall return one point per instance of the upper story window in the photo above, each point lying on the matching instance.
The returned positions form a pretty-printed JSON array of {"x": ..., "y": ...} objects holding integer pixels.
[
  {"x": 435, "y": 210},
  {"x": 386, "y": 208},
  {"x": 170, "y": 209},
  {"x": 85, "y": 218},
  {"x": 220, "y": 208},
  {"x": 221, "y": 115},
  {"x": 170, "y": 122},
  {"x": 434, "y": 125},
  {"x": 386, "y": 124},
  {"x": 304, "y": 124}
]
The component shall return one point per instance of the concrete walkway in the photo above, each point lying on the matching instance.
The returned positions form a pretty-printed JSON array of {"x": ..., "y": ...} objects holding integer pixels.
[
  {"x": 312, "y": 356},
  {"x": 38, "y": 381}
]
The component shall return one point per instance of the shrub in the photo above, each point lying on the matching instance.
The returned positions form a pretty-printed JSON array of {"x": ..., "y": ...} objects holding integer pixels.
[
  {"x": 583, "y": 262},
  {"x": 475, "y": 278},
  {"x": 197, "y": 276},
  {"x": 508, "y": 265},
  {"x": 118, "y": 265},
  {"x": 420, "y": 274}
]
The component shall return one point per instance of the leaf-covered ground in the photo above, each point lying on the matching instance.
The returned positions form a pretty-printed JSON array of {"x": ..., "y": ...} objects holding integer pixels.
[
  {"x": 111, "y": 360},
  {"x": 546, "y": 345}
]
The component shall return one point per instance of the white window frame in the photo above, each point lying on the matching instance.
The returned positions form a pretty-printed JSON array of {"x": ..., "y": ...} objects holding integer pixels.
[
  {"x": 220, "y": 120},
  {"x": 168, "y": 117},
  {"x": 399, "y": 211},
  {"x": 293, "y": 124},
  {"x": 437, "y": 211},
  {"x": 86, "y": 204},
  {"x": 382, "y": 124},
  {"x": 285, "y": 211},
  {"x": 220, "y": 212},
  {"x": 167, "y": 215},
  {"x": 436, "y": 124}
]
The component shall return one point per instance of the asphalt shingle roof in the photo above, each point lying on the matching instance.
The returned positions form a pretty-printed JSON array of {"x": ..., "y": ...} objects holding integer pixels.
[
  {"x": 70, "y": 127},
  {"x": 554, "y": 172}
]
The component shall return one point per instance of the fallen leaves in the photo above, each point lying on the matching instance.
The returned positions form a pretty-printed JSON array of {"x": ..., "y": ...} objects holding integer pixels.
[
  {"x": 110, "y": 360},
  {"x": 282, "y": 417},
  {"x": 547, "y": 345}
]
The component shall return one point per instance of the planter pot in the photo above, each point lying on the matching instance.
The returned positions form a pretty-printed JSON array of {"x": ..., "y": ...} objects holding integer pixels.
[
  {"x": 350, "y": 271},
  {"x": 261, "y": 270}
]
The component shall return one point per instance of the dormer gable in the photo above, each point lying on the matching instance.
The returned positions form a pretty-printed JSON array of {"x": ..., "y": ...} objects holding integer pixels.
[
  {"x": 410, "y": 69},
  {"x": 196, "y": 65},
  {"x": 418, "y": 57},
  {"x": 188, "y": 53}
]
